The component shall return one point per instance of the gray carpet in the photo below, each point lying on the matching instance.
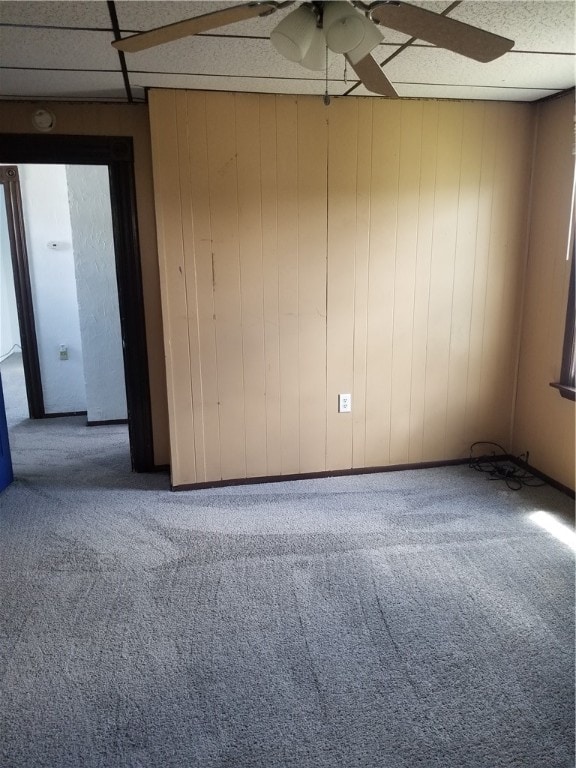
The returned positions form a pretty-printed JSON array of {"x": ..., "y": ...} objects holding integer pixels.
[{"x": 381, "y": 621}]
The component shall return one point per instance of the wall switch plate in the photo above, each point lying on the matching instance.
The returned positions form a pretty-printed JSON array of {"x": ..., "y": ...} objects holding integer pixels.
[
  {"x": 63, "y": 352},
  {"x": 344, "y": 403}
]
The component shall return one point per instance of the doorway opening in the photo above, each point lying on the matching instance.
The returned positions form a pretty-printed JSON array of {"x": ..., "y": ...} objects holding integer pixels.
[
  {"x": 67, "y": 282},
  {"x": 63, "y": 369}
]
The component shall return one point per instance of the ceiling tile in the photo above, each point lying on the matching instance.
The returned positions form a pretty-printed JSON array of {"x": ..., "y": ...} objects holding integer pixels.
[
  {"x": 59, "y": 14},
  {"x": 537, "y": 25},
  {"x": 62, "y": 85},
  {"x": 519, "y": 70},
  {"x": 54, "y": 48}
]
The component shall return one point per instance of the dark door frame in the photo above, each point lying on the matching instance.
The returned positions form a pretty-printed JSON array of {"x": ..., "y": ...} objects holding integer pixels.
[
  {"x": 116, "y": 153},
  {"x": 10, "y": 181}
]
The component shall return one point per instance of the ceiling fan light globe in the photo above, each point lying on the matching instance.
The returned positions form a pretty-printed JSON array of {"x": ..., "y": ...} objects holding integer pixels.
[
  {"x": 293, "y": 35},
  {"x": 372, "y": 37},
  {"x": 315, "y": 56},
  {"x": 343, "y": 26},
  {"x": 344, "y": 35}
]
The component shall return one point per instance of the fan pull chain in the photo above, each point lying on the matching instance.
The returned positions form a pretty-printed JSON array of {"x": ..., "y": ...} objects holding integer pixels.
[{"x": 326, "y": 94}]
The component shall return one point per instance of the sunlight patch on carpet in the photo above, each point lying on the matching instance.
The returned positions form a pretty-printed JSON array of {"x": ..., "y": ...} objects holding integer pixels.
[{"x": 551, "y": 524}]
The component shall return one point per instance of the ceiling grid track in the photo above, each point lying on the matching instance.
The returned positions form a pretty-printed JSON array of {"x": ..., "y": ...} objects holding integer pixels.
[{"x": 117, "y": 35}]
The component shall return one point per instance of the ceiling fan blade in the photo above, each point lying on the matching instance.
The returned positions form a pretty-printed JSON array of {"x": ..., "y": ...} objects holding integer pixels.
[
  {"x": 371, "y": 75},
  {"x": 473, "y": 42},
  {"x": 203, "y": 23}
]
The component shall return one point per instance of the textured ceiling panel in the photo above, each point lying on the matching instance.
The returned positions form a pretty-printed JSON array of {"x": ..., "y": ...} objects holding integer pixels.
[
  {"x": 514, "y": 70},
  {"x": 62, "y": 85},
  {"x": 242, "y": 84},
  {"x": 54, "y": 48},
  {"x": 537, "y": 25},
  {"x": 60, "y": 14}
]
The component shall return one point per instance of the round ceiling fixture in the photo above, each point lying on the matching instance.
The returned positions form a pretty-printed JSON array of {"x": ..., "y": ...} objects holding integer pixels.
[{"x": 44, "y": 120}]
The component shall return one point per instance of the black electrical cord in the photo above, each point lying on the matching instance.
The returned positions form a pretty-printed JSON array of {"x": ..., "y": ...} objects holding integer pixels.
[{"x": 497, "y": 467}]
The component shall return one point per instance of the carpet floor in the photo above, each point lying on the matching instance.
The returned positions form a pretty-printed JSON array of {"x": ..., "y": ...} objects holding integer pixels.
[{"x": 395, "y": 620}]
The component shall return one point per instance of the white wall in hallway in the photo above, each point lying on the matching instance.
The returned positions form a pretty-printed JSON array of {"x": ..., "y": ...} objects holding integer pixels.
[
  {"x": 47, "y": 220},
  {"x": 95, "y": 269}
]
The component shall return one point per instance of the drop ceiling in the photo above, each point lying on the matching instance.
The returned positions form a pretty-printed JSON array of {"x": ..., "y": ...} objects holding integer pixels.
[{"x": 62, "y": 50}]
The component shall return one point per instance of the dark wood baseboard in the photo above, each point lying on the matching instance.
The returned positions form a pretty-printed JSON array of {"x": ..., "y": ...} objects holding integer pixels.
[
  {"x": 62, "y": 415},
  {"x": 373, "y": 470},
  {"x": 316, "y": 475},
  {"x": 106, "y": 422},
  {"x": 542, "y": 476}
]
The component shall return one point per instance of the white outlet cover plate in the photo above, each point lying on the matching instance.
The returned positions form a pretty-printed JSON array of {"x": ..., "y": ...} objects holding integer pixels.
[{"x": 344, "y": 403}]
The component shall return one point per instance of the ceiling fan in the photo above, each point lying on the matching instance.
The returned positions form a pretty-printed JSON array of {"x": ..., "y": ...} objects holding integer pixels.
[{"x": 349, "y": 28}]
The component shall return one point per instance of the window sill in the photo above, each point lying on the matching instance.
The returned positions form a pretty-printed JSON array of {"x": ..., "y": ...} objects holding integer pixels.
[{"x": 565, "y": 391}]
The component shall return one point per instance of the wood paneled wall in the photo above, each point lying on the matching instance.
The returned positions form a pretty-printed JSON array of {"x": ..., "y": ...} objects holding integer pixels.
[
  {"x": 373, "y": 247},
  {"x": 120, "y": 120},
  {"x": 544, "y": 423}
]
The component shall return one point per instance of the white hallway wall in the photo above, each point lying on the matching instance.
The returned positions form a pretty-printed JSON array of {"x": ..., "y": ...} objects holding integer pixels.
[
  {"x": 95, "y": 266},
  {"x": 47, "y": 219},
  {"x": 74, "y": 288}
]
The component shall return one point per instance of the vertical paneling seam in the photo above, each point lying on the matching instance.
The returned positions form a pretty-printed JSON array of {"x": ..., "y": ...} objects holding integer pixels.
[
  {"x": 280, "y": 387},
  {"x": 183, "y": 266},
  {"x": 454, "y": 272},
  {"x": 354, "y": 286},
  {"x": 371, "y": 188},
  {"x": 214, "y": 321},
  {"x": 430, "y": 281},
  {"x": 239, "y": 252},
  {"x": 198, "y": 318},
  {"x": 277, "y": 272},
  {"x": 265, "y": 356},
  {"x": 298, "y": 267},
  {"x": 367, "y": 284},
  {"x": 417, "y": 246},
  {"x": 366, "y": 306},
  {"x": 482, "y": 155},
  {"x": 184, "y": 129},
  {"x": 393, "y": 345},
  {"x": 326, "y": 283}
]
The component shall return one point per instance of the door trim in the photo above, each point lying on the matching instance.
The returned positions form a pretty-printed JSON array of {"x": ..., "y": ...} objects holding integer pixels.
[
  {"x": 117, "y": 153},
  {"x": 10, "y": 180}
]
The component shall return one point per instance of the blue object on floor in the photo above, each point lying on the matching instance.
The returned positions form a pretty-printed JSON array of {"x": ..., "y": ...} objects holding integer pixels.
[{"x": 6, "y": 474}]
